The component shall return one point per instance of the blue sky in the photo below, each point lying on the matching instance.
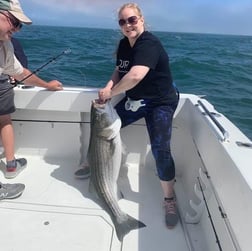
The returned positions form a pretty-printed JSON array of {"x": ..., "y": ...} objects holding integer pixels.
[{"x": 200, "y": 16}]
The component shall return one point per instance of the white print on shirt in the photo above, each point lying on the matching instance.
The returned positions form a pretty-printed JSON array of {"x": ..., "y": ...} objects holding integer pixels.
[{"x": 123, "y": 64}]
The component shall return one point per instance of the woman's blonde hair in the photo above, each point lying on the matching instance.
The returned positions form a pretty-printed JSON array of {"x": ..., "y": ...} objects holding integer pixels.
[{"x": 130, "y": 5}]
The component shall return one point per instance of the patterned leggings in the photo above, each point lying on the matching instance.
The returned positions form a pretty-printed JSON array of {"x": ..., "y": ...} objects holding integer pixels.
[{"x": 159, "y": 125}]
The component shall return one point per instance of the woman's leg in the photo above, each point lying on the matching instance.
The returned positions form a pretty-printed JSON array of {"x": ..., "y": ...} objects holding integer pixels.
[{"x": 159, "y": 125}]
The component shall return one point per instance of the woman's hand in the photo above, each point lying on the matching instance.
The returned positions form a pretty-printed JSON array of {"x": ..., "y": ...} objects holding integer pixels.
[{"x": 105, "y": 94}]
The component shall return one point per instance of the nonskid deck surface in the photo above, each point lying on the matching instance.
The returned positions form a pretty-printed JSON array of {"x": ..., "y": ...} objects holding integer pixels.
[{"x": 57, "y": 212}]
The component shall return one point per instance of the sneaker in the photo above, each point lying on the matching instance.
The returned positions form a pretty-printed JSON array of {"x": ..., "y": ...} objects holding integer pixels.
[
  {"x": 14, "y": 167},
  {"x": 83, "y": 173},
  {"x": 11, "y": 191},
  {"x": 171, "y": 212}
]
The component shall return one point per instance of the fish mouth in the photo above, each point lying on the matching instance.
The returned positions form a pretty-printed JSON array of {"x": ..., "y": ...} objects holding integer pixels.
[{"x": 97, "y": 103}]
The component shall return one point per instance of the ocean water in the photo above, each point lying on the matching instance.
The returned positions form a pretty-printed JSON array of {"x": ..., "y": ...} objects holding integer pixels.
[{"x": 218, "y": 66}]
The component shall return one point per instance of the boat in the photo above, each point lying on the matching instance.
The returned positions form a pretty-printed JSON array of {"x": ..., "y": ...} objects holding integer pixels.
[{"x": 56, "y": 211}]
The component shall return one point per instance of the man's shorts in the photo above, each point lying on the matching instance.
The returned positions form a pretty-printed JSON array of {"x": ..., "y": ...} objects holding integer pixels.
[{"x": 7, "y": 105}]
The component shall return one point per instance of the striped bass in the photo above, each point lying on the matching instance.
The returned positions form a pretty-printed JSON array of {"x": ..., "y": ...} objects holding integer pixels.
[{"x": 104, "y": 158}]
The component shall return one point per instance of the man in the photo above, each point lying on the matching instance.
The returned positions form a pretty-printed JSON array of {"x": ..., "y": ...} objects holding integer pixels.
[{"x": 12, "y": 18}]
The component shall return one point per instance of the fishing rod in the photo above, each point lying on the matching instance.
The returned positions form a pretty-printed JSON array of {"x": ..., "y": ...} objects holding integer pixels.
[
  {"x": 210, "y": 217},
  {"x": 17, "y": 82},
  {"x": 67, "y": 51}
]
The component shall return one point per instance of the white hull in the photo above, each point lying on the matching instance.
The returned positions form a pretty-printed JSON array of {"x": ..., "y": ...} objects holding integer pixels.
[{"x": 56, "y": 211}]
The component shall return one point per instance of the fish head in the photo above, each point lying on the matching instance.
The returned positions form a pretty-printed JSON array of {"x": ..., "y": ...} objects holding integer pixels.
[{"x": 104, "y": 119}]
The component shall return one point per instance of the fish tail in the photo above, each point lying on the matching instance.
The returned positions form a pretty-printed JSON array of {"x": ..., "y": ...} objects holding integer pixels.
[{"x": 127, "y": 225}]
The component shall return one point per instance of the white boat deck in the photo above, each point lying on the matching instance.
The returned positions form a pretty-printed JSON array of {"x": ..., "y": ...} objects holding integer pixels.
[{"x": 57, "y": 212}]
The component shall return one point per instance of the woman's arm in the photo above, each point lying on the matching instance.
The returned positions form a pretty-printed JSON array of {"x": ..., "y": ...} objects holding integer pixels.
[{"x": 130, "y": 80}]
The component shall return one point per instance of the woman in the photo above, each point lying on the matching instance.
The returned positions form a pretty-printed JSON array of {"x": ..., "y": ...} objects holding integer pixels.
[{"x": 143, "y": 72}]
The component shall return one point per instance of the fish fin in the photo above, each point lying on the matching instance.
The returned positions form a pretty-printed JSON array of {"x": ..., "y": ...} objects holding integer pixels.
[
  {"x": 120, "y": 195},
  {"x": 141, "y": 224},
  {"x": 92, "y": 190},
  {"x": 130, "y": 223}
]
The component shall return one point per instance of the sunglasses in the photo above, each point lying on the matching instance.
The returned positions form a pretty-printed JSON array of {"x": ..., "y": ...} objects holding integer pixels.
[
  {"x": 14, "y": 22},
  {"x": 131, "y": 20}
]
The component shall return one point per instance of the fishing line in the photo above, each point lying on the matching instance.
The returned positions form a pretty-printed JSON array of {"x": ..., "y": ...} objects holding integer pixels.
[
  {"x": 210, "y": 217},
  {"x": 65, "y": 52},
  {"x": 84, "y": 76}
]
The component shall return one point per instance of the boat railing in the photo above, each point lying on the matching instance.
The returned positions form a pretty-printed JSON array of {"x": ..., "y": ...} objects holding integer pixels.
[{"x": 224, "y": 133}]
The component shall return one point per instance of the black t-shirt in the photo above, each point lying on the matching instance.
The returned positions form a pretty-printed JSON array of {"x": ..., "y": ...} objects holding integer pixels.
[
  {"x": 147, "y": 51},
  {"x": 19, "y": 52}
]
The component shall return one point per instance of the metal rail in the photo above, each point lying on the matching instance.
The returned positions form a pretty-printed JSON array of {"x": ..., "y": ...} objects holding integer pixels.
[{"x": 215, "y": 121}]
